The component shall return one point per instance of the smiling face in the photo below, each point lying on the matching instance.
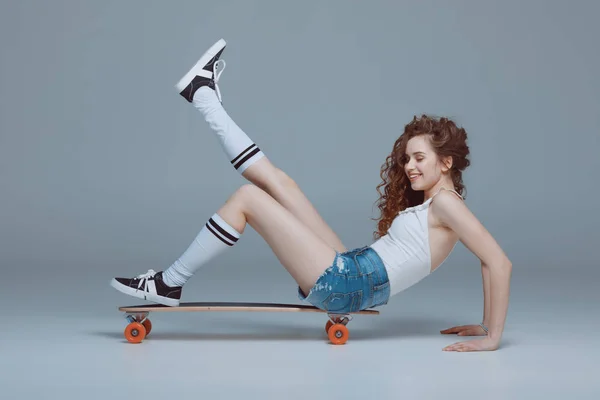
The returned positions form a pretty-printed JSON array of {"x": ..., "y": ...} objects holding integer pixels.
[{"x": 424, "y": 168}]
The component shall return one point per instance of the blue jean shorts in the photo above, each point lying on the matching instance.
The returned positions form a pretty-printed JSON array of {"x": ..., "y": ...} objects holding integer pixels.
[{"x": 356, "y": 280}]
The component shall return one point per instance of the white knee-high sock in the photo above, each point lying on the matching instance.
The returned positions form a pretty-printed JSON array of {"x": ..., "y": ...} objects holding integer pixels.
[
  {"x": 241, "y": 151},
  {"x": 214, "y": 238}
]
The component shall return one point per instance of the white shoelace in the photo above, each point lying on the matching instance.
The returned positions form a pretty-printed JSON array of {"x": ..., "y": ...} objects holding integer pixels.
[
  {"x": 217, "y": 75},
  {"x": 144, "y": 279}
]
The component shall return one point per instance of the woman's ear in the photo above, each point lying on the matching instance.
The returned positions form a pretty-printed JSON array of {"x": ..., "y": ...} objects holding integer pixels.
[{"x": 447, "y": 163}]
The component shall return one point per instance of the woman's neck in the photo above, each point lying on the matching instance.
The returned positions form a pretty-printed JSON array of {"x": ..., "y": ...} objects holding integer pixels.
[{"x": 446, "y": 184}]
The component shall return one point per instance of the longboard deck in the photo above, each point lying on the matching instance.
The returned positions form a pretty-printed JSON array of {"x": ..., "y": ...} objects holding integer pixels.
[{"x": 230, "y": 306}]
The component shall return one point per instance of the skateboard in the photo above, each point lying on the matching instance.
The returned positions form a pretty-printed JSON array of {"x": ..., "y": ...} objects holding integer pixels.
[{"x": 139, "y": 326}]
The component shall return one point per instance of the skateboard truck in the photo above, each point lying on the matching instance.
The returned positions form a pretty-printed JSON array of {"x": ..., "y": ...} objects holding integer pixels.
[{"x": 137, "y": 317}]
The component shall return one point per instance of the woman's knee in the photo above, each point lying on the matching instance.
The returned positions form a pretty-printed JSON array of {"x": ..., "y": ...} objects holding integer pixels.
[
  {"x": 244, "y": 198},
  {"x": 249, "y": 193},
  {"x": 246, "y": 190}
]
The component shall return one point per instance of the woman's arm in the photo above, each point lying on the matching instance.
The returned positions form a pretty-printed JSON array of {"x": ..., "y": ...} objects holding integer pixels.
[
  {"x": 499, "y": 292},
  {"x": 485, "y": 275},
  {"x": 496, "y": 267},
  {"x": 476, "y": 330}
]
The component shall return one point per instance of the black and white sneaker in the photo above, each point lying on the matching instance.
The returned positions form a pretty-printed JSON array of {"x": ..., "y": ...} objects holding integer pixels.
[
  {"x": 205, "y": 72},
  {"x": 149, "y": 286}
]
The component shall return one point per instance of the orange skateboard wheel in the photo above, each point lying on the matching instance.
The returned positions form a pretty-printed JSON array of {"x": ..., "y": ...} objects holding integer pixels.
[
  {"x": 338, "y": 334},
  {"x": 148, "y": 325},
  {"x": 328, "y": 325},
  {"x": 135, "y": 332}
]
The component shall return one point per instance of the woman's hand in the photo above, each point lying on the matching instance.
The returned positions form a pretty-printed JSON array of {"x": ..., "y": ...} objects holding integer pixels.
[
  {"x": 486, "y": 344},
  {"x": 465, "y": 330}
]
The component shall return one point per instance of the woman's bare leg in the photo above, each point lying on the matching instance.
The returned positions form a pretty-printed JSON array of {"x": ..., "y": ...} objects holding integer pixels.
[
  {"x": 242, "y": 152},
  {"x": 286, "y": 191},
  {"x": 303, "y": 254}
]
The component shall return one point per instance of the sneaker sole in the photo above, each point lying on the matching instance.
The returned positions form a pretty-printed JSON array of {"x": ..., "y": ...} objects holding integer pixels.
[
  {"x": 199, "y": 66},
  {"x": 143, "y": 295}
]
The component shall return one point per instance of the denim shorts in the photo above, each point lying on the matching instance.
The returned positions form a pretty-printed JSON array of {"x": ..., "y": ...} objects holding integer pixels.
[{"x": 356, "y": 280}]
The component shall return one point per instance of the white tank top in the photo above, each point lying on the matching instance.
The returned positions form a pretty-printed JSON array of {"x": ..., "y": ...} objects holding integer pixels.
[{"x": 404, "y": 248}]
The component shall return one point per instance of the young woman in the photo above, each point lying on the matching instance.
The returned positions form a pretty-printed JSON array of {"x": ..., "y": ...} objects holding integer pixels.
[{"x": 423, "y": 217}]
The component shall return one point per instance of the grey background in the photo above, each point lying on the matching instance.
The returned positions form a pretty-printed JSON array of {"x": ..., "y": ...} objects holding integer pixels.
[{"x": 105, "y": 171}]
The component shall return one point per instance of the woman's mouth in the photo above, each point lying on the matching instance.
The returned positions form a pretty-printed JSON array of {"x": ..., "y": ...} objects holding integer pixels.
[{"x": 414, "y": 177}]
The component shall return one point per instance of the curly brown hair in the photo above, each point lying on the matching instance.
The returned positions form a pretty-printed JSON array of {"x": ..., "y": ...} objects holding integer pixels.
[{"x": 446, "y": 139}]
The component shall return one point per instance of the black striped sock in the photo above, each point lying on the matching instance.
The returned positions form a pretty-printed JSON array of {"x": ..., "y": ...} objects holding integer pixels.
[
  {"x": 239, "y": 148},
  {"x": 248, "y": 156},
  {"x": 215, "y": 237}
]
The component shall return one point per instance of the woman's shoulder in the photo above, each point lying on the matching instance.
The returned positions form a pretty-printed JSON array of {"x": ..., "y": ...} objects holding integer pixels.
[
  {"x": 446, "y": 205},
  {"x": 453, "y": 213}
]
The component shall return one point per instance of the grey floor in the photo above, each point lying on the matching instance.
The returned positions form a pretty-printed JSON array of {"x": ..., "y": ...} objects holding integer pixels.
[{"x": 54, "y": 346}]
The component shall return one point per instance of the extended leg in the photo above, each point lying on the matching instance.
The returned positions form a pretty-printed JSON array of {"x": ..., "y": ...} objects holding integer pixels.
[
  {"x": 199, "y": 87},
  {"x": 304, "y": 255}
]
